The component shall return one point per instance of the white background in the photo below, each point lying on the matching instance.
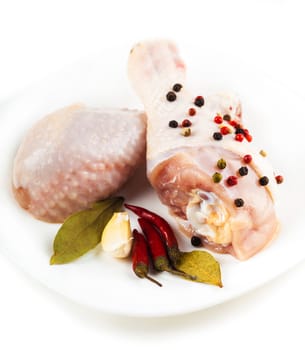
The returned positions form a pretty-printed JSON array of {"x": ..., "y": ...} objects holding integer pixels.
[{"x": 38, "y": 38}]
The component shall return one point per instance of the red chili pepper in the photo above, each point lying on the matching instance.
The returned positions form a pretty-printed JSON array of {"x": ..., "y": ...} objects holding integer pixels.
[
  {"x": 140, "y": 257},
  {"x": 164, "y": 229},
  {"x": 158, "y": 250}
]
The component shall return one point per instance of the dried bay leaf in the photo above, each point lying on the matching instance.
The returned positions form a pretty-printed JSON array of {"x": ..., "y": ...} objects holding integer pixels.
[
  {"x": 201, "y": 264},
  {"x": 82, "y": 231}
]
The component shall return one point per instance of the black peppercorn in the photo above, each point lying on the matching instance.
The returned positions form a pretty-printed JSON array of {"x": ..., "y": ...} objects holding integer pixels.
[
  {"x": 177, "y": 87},
  {"x": 199, "y": 101},
  {"x": 239, "y": 131},
  {"x": 217, "y": 136},
  {"x": 173, "y": 124},
  {"x": 239, "y": 202},
  {"x": 171, "y": 96},
  {"x": 243, "y": 171},
  {"x": 196, "y": 241},
  {"x": 227, "y": 117},
  {"x": 263, "y": 181}
]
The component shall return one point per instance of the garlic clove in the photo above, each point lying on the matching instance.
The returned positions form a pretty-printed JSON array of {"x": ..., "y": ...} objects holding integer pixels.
[{"x": 117, "y": 236}]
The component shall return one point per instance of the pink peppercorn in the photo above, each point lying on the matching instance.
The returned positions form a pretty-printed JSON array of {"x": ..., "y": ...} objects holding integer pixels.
[
  {"x": 218, "y": 119},
  {"x": 247, "y": 158},
  {"x": 192, "y": 112},
  {"x": 186, "y": 123},
  {"x": 239, "y": 137},
  {"x": 279, "y": 179},
  {"x": 224, "y": 130},
  {"x": 232, "y": 180}
]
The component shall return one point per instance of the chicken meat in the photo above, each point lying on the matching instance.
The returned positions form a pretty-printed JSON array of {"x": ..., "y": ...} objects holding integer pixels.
[
  {"x": 200, "y": 157},
  {"x": 76, "y": 156}
]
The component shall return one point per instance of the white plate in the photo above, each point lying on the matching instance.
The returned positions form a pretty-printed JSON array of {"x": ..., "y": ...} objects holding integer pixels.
[{"x": 272, "y": 113}]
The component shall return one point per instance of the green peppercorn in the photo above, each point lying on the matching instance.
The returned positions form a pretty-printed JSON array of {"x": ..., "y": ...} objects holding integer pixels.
[
  {"x": 217, "y": 177},
  {"x": 186, "y": 132},
  {"x": 221, "y": 164},
  {"x": 263, "y": 153}
]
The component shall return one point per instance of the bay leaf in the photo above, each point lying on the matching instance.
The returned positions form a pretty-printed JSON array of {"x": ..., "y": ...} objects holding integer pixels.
[
  {"x": 82, "y": 231},
  {"x": 201, "y": 264}
]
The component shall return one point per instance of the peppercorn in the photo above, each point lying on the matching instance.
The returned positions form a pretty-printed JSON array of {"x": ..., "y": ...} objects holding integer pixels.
[
  {"x": 263, "y": 181},
  {"x": 227, "y": 117},
  {"x": 221, "y": 164},
  {"x": 217, "y": 177},
  {"x": 247, "y": 158},
  {"x": 173, "y": 124},
  {"x": 225, "y": 130},
  {"x": 279, "y": 179},
  {"x": 177, "y": 87},
  {"x": 218, "y": 119},
  {"x": 263, "y": 153},
  {"x": 199, "y": 101},
  {"x": 171, "y": 96},
  {"x": 186, "y": 132},
  {"x": 232, "y": 180},
  {"x": 196, "y": 241},
  {"x": 239, "y": 131},
  {"x": 239, "y": 137},
  {"x": 217, "y": 136},
  {"x": 248, "y": 137},
  {"x": 243, "y": 171},
  {"x": 239, "y": 202},
  {"x": 186, "y": 123},
  {"x": 192, "y": 112},
  {"x": 233, "y": 123}
]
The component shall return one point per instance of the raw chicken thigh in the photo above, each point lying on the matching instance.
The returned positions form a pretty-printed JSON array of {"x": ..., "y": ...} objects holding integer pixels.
[
  {"x": 201, "y": 159},
  {"x": 76, "y": 156}
]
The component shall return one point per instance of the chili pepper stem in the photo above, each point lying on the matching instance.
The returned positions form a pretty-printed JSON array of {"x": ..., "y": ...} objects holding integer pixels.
[
  {"x": 141, "y": 272},
  {"x": 161, "y": 264},
  {"x": 153, "y": 280}
]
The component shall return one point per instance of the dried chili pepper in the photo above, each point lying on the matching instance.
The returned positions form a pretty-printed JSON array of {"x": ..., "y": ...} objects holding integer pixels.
[
  {"x": 140, "y": 257},
  {"x": 164, "y": 228},
  {"x": 158, "y": 250}
]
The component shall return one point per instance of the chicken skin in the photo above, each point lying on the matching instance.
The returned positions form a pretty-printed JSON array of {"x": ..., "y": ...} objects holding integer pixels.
[
  {"x": 201, "y": 159},
  {"x": 76, "y": 156}
]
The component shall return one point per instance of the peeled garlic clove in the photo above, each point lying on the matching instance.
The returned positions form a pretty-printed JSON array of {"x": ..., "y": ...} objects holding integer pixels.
[{"x": 117, "y": 235}]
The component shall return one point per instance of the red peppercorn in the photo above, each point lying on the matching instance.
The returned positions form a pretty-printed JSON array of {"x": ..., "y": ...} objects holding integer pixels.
[
  {"x": 224, "y": 130},
  {"x": 192, "y": 112},
  {"x": 279, "y": 179},
  {"x": 232, "y": 180},
  {"x": 247, "y": 158},
  {"x": 239, "y": 137},
  {"x": 233, "y": 123},
  {"x": 218, "y": 119},
  {"x": 186, "y": 123},
  {"x": 248, "y": 137}
]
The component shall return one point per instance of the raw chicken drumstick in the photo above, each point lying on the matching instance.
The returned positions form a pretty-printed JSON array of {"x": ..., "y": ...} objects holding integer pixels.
[
  {"x": 200, "y": 158},
  {"x": 76, "y": 156}
]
